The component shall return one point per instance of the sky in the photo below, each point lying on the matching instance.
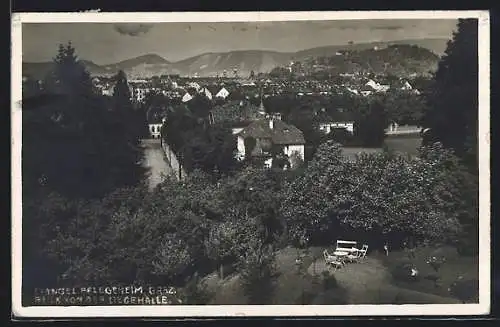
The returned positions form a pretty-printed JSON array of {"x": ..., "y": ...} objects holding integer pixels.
[{"x": 105, "y": 43}]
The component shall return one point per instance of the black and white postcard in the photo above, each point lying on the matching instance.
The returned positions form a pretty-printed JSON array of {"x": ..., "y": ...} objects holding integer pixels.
[{"x": 250, "y": 164}]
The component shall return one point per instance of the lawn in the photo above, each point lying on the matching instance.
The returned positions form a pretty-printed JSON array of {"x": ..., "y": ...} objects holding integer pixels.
[
  {"x": 367, "y": 282},
  {"x": 401, "y": 144},
  {"x": 456, "y": 267},
  {"x": 404, "y": 143}
]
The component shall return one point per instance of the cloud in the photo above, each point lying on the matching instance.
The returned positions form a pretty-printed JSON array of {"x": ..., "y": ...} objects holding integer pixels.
[
  {"x": 355, "y": 25},
  {"x": 374, "y": 28},
  {"x": 388, "y": 28},
  {"x": 132, "y": 29}
]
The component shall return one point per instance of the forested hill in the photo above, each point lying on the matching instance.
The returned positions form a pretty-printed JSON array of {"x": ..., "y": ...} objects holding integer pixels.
[
  {"x": 399, "y": 60},
  {"x": 398, "y": 56}
]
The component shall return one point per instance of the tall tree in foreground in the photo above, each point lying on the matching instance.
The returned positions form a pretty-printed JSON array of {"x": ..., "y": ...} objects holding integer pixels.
[
  {"x": 73, "y": 147},
  {"x": 453, "y": 102}
]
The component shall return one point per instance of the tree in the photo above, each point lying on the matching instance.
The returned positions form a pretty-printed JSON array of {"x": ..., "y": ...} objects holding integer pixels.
[
  {"x": 211, "y": 150},
  {"x": 68, "y": 75},
  {"x": 258, "y": 273},
  {"x": 453, "y": 104},
  {"x": 250, "y": 144},
  {"x": 121, "y": 91},
  {"x": 230, "y": 239},
  {"x": 404, "y": 107},
  {"x": 371, "y": 123},
  {"x": 74, "y": 143},
  {"x": 131, "y": 236},
  {"x": 379, "y": 197},
  {"x": 257, "y": 194},
  {"x": 196, "y": 291}
]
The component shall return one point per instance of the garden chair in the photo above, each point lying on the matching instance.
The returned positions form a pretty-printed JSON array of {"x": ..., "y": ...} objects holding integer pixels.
[
  {"x": 332, "y": 260},
  {"x": 362, "y": 252},
  {"x": 358, "y": 254}
]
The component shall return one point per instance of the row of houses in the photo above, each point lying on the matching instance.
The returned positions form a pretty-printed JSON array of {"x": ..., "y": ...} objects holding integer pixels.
[{"x": 185, "y": 89}]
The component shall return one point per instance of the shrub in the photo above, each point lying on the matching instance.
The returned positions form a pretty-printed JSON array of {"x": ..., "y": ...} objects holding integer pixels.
[
  {"x": 403, "y": 272},
  {"x": 329, "y": 281},
  {"x": 196, "y": 292},
  {"x": 258, "y": 274},
  {"x": 448, "y": 252}
]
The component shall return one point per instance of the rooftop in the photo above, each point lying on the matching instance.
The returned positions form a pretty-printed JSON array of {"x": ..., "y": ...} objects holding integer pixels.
[{"x": 281, "y": 133}]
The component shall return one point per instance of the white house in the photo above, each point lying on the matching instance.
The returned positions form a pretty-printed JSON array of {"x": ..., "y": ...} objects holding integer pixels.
[
  {"x": 353, "y": 91},
  {"x": 194, "y": 85},
  {"x": 270, "y": 133},
  {"x": 107, "y": 91},
  {"x": 377, "y": 87},
  {"x": 408, "y": 87},
  {"x": 187, "y": 97},
  {"x": 223, "y": 93},
  {"x": 236, "y": 130},
  {"x": 155, "y": 122},
  {"x": 328, "y": 126},
  {"x": 139, "y": 93},
  {"x": 155, "y": 130}
]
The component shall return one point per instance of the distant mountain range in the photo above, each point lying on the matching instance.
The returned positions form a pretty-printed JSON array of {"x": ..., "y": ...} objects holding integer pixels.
[{"x": 211, "y": 64}]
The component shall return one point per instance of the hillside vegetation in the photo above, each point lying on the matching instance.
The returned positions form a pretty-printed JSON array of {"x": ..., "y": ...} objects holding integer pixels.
[{"x": 418, "y": 58}]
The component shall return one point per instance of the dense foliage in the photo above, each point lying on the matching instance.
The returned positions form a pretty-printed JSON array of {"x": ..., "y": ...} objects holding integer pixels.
[
  {"x": 398, "y": 59},
  {"x": 381, "y": 196},
  {"x": 74, "y": 143},
  {"x": 198, "y": 143},
  {"x": 453, "y": 102}
]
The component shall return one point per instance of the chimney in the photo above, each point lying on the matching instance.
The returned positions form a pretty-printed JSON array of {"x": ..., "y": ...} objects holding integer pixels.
[{"x": 271, "y": 123}]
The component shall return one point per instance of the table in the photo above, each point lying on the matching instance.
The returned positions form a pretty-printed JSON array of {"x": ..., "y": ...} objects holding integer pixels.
[{"x": 341, "y": 255}]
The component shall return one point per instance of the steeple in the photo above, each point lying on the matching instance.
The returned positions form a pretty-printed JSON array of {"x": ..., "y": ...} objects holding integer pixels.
[{"x": 262, "y": 110}]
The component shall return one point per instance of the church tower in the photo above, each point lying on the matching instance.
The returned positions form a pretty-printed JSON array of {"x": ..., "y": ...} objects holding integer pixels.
[{"x": 262, "y": 110}]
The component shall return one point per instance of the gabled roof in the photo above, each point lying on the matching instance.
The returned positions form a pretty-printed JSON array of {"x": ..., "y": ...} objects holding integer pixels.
[
  {"x": 281, "y": 133},
  {"x": 223, "y": 93},
  {"x": 187, "y": 97}
]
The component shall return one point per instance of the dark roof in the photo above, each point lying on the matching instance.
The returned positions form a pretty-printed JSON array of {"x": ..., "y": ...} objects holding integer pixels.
[
  {"x": 338, "y": 115},
  {"x": 281, "y": 133}
]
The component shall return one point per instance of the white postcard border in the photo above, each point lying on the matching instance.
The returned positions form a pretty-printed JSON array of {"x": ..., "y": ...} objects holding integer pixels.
[{"x": 247, "y": 310}]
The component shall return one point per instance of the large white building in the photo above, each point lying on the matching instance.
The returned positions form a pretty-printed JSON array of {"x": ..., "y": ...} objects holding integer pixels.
[
  {"x": 271, "y": 134},
  {"x": 139, "y": 93},
  {"x": 328, "y": 126},
  {"x": 223, "y": 93}
]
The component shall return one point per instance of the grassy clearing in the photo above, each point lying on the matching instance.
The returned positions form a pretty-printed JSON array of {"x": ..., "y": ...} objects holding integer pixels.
[
  {"x": 456, "y": 266},
  {"x": 367, "y": 282},
  {"x": 408, "y": 144},
  {"x": 401, "y": 144}
]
